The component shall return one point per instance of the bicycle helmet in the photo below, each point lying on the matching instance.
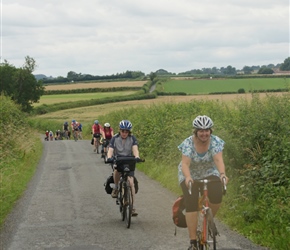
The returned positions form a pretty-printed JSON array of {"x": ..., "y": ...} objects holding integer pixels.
[
  {"x": 107, "y": 125},
  {"x": 125, "y": 124},
  {"x": 202, "y": 122},
  {"x": 73, "y": 120},
  {"x": 96, "y": 122},
  {"x": 65, "y": 123}
]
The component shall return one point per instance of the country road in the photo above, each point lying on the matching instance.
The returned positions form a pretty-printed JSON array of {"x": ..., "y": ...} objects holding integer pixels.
[{"x": 66, "y": 207}]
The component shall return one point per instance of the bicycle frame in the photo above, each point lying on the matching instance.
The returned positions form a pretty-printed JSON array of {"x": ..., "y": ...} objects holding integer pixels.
[{"x": 206, "y": 216}]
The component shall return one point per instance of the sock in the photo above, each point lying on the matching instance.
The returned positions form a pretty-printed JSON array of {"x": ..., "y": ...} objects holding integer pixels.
[{"x": 193, "y": 242}]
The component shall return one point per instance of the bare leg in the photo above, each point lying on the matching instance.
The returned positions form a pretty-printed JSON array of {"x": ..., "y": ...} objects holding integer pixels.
[
  {"x": 116, "y": 177},
  {"x": 214, "y": 208},
  {"x": 191, "y": 221},
  {"x": 131, "y": 180}
]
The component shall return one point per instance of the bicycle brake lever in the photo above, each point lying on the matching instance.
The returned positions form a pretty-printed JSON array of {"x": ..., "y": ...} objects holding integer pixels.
[
  {"x": 189, "y": 187},
  {"x": 225, "y": 186}
]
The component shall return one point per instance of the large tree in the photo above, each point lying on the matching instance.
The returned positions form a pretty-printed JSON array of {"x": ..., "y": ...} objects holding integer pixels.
[
  {"x": 286, "y": 65},
  {"x": 20, "y": 84}
]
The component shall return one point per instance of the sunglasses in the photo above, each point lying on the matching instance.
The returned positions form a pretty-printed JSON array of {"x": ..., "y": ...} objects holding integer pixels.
[{"x": 125, "y": 131}]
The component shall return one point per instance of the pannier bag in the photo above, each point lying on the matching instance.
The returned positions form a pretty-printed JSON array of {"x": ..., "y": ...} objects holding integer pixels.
[
  {"x": 177, "y": 212},
  {"x": 110, "y": 180},
  {"x": 107, "y": 184}
]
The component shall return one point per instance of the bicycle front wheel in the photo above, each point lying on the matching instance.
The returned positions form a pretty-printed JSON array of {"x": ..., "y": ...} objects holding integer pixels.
[
  {"x": 128, "y": 206},
  {"x": 75, "y": 136},
  {"x": 212, "y": 231}
]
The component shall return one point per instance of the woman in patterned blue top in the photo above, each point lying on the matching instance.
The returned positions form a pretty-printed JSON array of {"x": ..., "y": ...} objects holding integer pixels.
[{"x": 201, "y": 158}]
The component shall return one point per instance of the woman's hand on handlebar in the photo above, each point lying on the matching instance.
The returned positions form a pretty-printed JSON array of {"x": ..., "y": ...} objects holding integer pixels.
[
  {"x": 187, "y": 180},
  {"x": 224, "y": 179}
]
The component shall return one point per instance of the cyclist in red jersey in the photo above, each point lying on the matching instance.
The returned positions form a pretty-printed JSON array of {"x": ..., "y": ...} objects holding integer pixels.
[
  {"x": 97, "y": 131},
  {"x": 46, "y": 135},
  {"x": 107, "y": 134}
]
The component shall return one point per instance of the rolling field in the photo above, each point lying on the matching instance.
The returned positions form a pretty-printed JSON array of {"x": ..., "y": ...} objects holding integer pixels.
[
  {"x": 89, "y": 114},
  {"x": 95, "y": 85},
  {"x": 51, "y": 99},
  {"x": 205, "y": 86},
  {"x": 189, "y": 86}
]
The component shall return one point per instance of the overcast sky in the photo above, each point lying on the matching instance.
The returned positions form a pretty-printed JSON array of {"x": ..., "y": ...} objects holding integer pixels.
[{"x": 104, "y": 37}]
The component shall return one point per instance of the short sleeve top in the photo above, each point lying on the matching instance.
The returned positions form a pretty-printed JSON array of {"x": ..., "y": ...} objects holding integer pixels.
[
  {"x": 201, "y": 166},
  {"x": 123, "y": 147}
]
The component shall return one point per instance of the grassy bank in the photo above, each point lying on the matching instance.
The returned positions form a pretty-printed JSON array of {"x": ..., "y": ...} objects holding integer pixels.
[{"x": 20, "y": 152}]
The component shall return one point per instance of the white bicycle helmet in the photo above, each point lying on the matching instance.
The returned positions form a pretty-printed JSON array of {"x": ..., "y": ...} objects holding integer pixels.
[
  {"x": 107, "y": 125},
  {"x": 202, "y": 122}
]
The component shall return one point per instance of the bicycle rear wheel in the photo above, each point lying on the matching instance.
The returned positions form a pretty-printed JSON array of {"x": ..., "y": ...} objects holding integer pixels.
[{"x": 128, "y": 206}]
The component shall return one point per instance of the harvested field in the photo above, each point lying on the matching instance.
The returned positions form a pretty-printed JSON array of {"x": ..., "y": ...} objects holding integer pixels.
[
  {"x": 95, "y": 85},
  {"x": 88, "y": 114}
]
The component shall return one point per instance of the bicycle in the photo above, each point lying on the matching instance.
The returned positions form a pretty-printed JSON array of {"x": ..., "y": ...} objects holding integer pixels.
[
  {"x": 105, "y": 143},
  {"x": 97, "y": 143},
  {"x": 75, "y": 135},
  {"x": 206, "y": 228},
  {"x": 65, "y": 134},
  {"x": 124, "y": 165}
]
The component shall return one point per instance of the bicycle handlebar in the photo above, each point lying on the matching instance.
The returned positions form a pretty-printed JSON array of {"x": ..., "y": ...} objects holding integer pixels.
[
  {"x": 117, "y": 159},
  {"x": 207, "y": 181}
]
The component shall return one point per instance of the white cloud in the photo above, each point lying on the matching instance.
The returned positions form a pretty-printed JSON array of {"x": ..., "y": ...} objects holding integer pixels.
[{"x": 108, "y": 37}]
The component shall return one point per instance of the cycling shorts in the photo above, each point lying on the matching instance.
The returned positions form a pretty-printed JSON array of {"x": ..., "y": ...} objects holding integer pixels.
[
  {"x": 97, "y": 135},
  {"x": 215, "y": 194}
]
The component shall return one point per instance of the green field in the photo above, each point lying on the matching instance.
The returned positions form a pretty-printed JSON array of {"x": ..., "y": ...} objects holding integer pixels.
[
  {"x": 206, "y": 86},
  {"x": 51, "y": 99}
]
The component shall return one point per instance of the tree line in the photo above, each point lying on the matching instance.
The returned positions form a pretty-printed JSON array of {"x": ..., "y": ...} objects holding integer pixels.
[
  {"x": 229, "y": 70},
  {"x": 79, "y": 77}
]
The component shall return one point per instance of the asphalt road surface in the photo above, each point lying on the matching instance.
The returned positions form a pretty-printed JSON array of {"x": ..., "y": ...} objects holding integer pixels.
[{"x": 66, "y": 207}]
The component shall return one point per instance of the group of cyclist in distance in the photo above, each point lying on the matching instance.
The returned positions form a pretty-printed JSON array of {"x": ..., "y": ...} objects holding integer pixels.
[{"x": 202, "y": 157}]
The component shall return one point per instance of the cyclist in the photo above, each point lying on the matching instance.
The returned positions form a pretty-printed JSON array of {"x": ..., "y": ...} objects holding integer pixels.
[
  {"x": 80, "y": 130},
  {"x": 107, "y": 135},
  {"x": 65, "y": 129},
  {"x": 50, "y": 135},
  {"x": 57, "y": 134},
  {"x": 124, "y": 144},
  {"x": 201, "y": 157},
  {"x": 46, "y": 135},
  {"x": 75, "y": 127},
  {"x": 97, "y": 132}
]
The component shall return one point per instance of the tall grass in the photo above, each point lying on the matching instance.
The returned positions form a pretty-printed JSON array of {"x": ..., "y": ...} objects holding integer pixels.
[{"x": 20, "y": 152}]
